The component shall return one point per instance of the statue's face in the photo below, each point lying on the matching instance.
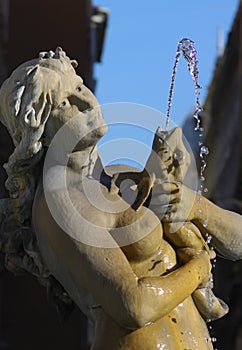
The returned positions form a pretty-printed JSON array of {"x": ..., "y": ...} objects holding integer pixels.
[{"x": 74, "y": 99}]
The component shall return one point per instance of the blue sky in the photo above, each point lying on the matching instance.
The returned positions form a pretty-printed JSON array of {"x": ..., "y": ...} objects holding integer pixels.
[{"x": 140, "y": 48}]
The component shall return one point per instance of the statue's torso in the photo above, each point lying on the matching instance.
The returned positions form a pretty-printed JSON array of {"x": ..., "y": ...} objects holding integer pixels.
[{"x": 182, "y": 329}]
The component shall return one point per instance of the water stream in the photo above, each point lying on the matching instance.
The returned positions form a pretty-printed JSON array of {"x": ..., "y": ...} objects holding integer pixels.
[{"x": 186, "y": 47}]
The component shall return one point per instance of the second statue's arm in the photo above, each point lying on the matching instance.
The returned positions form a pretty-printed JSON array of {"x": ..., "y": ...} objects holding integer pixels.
[{"x": 224, "y": 227}]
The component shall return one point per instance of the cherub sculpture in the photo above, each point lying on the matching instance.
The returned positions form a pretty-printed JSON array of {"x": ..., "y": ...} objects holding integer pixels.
[{"x": 62, "y": 221}]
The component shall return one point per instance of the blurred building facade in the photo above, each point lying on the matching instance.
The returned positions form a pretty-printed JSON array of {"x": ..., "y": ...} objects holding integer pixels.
[
  {"x": 27, "y": 321},
  {"x": 27, "y": 27},
  {"x": 222, "y": 122}
]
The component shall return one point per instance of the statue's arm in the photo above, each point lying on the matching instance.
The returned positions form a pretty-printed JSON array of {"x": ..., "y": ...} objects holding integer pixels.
[
  {"x": 131, "y": 301},
  {"x": 224, "y": 226},
  {"x": 107, "y": 275}
]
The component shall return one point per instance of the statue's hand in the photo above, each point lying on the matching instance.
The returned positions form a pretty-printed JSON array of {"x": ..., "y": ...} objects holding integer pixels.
[
  {"x": 187, "y": 236},
  {"x": 165, "y": 198},
  {"x": 173, "y": 202},
  {"x": 203, "y": 262}
]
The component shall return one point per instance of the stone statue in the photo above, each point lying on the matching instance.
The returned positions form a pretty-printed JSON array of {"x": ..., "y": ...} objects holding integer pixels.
[
  {"x": 169, "y": 162},
  {"x": 110, "y": 249}
]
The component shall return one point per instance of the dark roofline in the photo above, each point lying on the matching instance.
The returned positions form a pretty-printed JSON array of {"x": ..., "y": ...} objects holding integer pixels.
[
  {"x": 99, "y": 22},
  {"x": 228, "y": 58}
]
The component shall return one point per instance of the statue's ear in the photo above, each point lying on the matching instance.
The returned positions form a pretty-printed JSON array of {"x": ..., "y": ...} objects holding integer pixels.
[
  {"x": 37, "y": 101},
  {"x": 171, "y": 138},
  {"x": 20, "y": 91},
  {"x": 159, "y": 142},
  {"x": 172, "y": 151},
  {"x": 32, "y": 72},
  {"x": 174, "y": 138},
  {"x": 34, "y": 109},
  {"x": 38, "y": 113},
  {"x": 181, "y": 156}
]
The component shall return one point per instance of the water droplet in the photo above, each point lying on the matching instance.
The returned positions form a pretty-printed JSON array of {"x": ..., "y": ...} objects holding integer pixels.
[
  {"x": 208, "y": 238},
  {"x": 203, "y": 166},
  {"x": 204, "y": 151},
  {"x": 213, "y": 339},
  {"x": 205, "y": 223},
  {"x": 202, "y": 178},
  {"x": 179, "y": 156},
  {"x": 205, "y": 190}
]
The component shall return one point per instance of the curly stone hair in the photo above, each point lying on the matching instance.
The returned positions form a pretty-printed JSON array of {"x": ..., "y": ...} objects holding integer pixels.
[{"x": 25, "y": 106}]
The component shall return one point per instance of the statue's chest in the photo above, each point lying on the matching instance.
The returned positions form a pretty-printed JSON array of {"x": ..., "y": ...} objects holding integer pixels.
[{"x": 150, "y": 256}]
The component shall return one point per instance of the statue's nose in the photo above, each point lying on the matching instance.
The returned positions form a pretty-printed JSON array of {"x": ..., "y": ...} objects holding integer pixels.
[{"x": 84, "y": 99}]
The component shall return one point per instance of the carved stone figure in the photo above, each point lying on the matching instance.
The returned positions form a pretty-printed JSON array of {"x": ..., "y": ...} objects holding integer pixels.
[
  {"x": 92, "y": 241},
  {"x": 169, "y": 162}
]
